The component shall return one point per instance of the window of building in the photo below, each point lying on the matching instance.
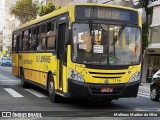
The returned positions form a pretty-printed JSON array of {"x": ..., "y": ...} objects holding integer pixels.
[
  {"x": 51, "y": 36},
  {"x": 155, "y": 34}
]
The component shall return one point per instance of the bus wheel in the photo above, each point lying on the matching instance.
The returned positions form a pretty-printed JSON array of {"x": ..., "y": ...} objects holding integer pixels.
[
  {"x": 23, "y": 83},
  {"x": 51, "y": 90}
]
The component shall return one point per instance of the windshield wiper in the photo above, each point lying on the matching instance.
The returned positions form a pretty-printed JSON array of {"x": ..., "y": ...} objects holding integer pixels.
[{"x": 119, "y": 34}]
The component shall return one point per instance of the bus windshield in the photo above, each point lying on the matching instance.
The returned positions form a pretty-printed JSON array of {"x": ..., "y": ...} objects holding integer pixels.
[{"x": 103, "y": 44}]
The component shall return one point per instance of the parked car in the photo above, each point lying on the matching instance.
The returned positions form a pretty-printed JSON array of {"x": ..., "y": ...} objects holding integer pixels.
[
  {"x": 155, "y": 87},
  {"x": 6, "y": 61}
]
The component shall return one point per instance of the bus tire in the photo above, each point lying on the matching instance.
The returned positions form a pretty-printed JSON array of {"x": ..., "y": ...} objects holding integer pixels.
[
  {"x": 51, "y": 90},
  {"x": 23, "y": 83}
]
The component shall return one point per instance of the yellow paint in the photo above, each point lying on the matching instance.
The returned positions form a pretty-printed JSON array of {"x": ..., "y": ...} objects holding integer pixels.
[
  {"x": 15, "y": 64},
  {"x": 140, "y": 20},
  {"x": 124, "y": 78},
  {"x": 69, "y": 9},
  {"x": 37, "y": 65}
]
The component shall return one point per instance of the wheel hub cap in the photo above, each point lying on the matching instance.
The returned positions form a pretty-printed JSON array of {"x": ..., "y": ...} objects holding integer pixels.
[{"x": 153, "y": 93}]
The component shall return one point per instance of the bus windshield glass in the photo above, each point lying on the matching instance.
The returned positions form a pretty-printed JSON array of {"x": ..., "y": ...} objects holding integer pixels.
[{"x": 103, "y": 44}]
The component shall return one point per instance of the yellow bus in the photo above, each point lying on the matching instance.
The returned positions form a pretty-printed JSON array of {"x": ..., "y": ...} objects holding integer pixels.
[{"x": 90, "y": 51}]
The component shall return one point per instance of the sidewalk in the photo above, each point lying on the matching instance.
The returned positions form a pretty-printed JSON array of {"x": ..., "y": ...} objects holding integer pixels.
[{"x": 145, "y": 86}]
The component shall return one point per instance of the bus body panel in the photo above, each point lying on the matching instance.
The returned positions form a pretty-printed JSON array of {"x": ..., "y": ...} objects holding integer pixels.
[
  {"x": 15, "y": 67},
  {"x": 37, "y": 66},
  {"x": 94, "y": 75}
]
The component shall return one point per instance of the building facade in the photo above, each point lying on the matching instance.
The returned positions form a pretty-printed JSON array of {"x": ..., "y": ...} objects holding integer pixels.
[
  {"x": 1, "y": 41},
  {"x": 61, "y": 3},
  {"x": 153, "y": 50},
  {"x": 2, "y": 14},
  {"x": 10, "y": 23},
  {"x": 128, "y": 3}
]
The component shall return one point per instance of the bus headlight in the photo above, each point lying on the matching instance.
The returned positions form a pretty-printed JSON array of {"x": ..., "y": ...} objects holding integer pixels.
[
  {"x": 135, "y": 77},
  {"x": 74, "y": 75}
]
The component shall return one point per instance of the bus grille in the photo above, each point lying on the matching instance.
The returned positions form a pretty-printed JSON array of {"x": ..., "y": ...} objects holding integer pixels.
[
  {"x": 107, "y": 75},
  {"x": 96, "y": 89}
]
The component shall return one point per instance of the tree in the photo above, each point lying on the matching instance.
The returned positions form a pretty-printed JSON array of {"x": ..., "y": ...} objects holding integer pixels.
[
  {"x": 145, "y": 27},
  {"x": 47, "y": 9},
  {"x": 24, "y": 10},
  {"x": 59, "y": 7}
]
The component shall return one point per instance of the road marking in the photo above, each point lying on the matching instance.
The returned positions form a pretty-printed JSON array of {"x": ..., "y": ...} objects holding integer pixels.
[
  {"x": 4, "y": 77},
  {"x": 144, "y": 93},
  {"x": 13, "y": 92},
  {"x": 35, "y": 93},
  {"x": 6, "y": 80},
  {"x": 143, "y": 96}
]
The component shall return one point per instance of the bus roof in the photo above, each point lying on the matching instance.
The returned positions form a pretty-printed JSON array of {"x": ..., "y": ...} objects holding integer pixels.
[{"x": 66, "y": 9}]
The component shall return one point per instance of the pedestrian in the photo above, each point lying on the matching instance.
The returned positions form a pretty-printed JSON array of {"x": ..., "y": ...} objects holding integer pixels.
[{"x": 150, "y": 73}]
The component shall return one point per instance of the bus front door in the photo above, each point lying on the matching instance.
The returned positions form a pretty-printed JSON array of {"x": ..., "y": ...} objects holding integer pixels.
[{"x": 60, "y": 53}]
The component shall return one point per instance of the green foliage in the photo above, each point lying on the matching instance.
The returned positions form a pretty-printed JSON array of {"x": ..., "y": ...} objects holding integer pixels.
[
  {"x": 24, "y": 10},
  {"x": 46, "y": 9},
  {"x": 145, "y": 28},
  {"x": 59, "y": 7}
]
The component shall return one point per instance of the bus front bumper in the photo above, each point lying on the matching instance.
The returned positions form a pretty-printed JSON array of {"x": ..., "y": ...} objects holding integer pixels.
[{"x": 78, "y": 89}]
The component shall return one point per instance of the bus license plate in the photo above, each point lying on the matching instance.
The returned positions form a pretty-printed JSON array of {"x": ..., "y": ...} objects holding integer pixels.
[{"x": 106, "y": 90}]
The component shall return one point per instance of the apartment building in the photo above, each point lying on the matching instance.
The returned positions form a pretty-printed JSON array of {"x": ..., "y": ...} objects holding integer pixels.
[
  {"x": 9, "y": 24},
  {"x": 153, "y": 49},
  {"x": 61, "y": 3},
  {"x": 1, "y": 40}
]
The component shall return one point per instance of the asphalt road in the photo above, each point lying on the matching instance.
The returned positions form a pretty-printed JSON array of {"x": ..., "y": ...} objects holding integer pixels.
[{"x": 14, "y": 98}]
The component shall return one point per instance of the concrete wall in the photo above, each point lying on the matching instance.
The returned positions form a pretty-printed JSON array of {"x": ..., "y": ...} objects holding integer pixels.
[
  {"x": 2, "y": 13},
  {"x": 156, "y": 16},
  {"x": 8, "y": 25}
]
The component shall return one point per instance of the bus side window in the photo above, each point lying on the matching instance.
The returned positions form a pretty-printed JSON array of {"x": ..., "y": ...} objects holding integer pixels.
[
  {"x": 33, "y": 39},
  {"x": 25, "y": 40},
  {"x": 42, "y": 39},
  {"x": 51, "y": 36},
  {"x": 20, "y": 41},
  {"x": 29, "y": 40},
  {"x": 37, "y": 36},
  {"x": 14, "y": 43}
]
